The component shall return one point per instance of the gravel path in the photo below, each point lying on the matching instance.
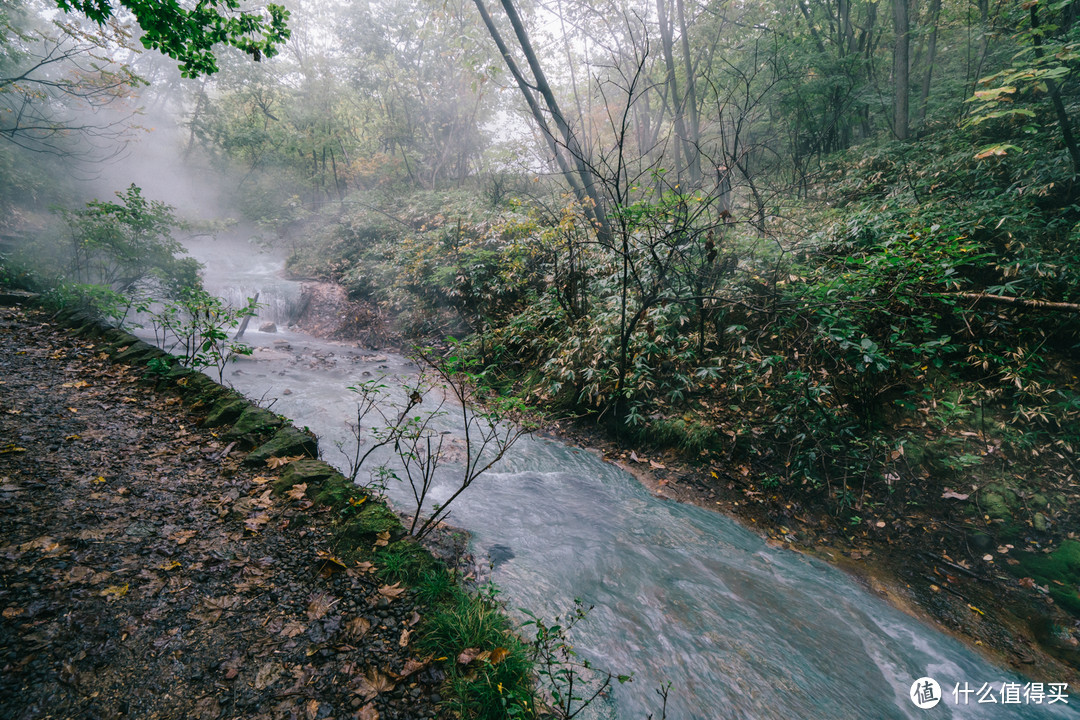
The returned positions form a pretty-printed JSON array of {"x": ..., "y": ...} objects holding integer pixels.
[{"x": 145, "y": 573}]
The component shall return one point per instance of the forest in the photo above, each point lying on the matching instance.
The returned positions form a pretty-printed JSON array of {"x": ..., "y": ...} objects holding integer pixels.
[{"x": 823, "y": 256}]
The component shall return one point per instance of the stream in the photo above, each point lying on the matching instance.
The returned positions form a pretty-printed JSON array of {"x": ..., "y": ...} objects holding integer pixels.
[{"x": 682, "y": 595}]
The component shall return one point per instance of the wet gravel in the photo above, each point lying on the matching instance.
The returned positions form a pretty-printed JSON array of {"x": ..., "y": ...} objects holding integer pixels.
[{"x": 145, "y": 575}]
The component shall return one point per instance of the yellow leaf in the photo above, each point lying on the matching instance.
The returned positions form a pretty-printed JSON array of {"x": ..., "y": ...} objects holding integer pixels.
[
  {"x": 498, "y": 655},
  {"x": 11, "y": 448},
  {"x": 115, "y": 592}
]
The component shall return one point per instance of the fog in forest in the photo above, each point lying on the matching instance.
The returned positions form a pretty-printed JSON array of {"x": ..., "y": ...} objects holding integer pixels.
[{"x": 811, "y": 266}]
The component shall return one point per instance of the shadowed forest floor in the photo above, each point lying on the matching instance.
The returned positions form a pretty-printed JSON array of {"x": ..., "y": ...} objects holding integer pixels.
[{"x": 146, "y": 573}]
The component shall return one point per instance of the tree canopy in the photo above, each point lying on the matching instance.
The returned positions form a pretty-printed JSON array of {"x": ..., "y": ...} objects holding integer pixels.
[{"x": 188, "y": 35}]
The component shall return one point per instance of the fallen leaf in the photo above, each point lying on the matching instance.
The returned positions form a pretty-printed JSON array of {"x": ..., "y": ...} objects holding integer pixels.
[
  {"x": 413, "y": 665},
  {"x": 328, "y": 558},
  {"x": 952, "y": 495},
  {"x": 319, "y": 604},
  {"x": 371, "y": 684},
  {"x": 292, "y": 629},
  {"x": 115, "y": 592},
  {"x": 183, "y": 536},
  {"x": 365, "y": 566},
  {"x": 357, "y": 628},
  {"x": 255, "y": 522},
  {"x": 13, "y": 612},
  {"x": 261, "y": 480},
  {"x": 656, "y": 466},
  {"x": 467, "y": 655},
  {"x": 382, "y": 539},
  {"x": 634, "y": 457},
  {"x": 296, "y": 492},
  {"x": 368, "y": 712},
  {"x": 279, "y": 462},
  {"x": 311, "y": 709},
  {"x": 403, "y": 641},
  {"x": 392, "y": 592},
  {"x": 498, "y": 655},
  {"x": 267, "y": 675}
]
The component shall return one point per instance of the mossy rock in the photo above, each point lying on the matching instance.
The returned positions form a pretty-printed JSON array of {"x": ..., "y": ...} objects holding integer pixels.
[
  {"x": 287, "y": 441},
  {"x": 1059, "y": 571},
  {"x": 312, "y": 472},
  {"x": 336, "y": 492},
  {"x": 998, "y": 501},
  {"x": 361, "y": 529},
  {"x": 138, "y": 351},
  {"x": 253, "y": 423},
  {"x": 203, "y": 387},
  {"x": 177, "y": 372},
  {"x": 225, "y": 412}
]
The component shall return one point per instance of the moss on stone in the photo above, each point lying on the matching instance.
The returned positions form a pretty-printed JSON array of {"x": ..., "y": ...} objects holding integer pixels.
[
  {"x": 253, "y": 423},
  {"x": 286, "y": 442},
  {"x": 312, "y": 472},
  {"x": 1059, "y": 571},
  {"x": 225, "y": 412}
]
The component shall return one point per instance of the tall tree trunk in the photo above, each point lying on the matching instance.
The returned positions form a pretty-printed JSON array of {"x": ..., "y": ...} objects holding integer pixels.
[
  {"x": 694, "y": 128},
  {"x": 1055, "y": 96},
  {"x": 678, "y": 103},
  {"x": 931, "y": 58},
  {"x": 584, "y": 185},
  {"x": 901, "y": 51}
]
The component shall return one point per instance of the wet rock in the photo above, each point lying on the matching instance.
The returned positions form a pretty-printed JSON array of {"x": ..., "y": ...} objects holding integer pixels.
[
  {"x": 268, "y": 327},
  {"x": 225, "y": 412},
  {"x": 1040, "y": 523},
  {"x": 139, "y": 351},
  {"x": 287, "y": 442},
  {"x": 307, "y": 471},
  {"x": 252, "y": 423}
]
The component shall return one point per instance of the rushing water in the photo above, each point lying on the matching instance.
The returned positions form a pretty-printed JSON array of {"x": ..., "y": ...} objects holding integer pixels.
[{"x": 741, "y": 629}]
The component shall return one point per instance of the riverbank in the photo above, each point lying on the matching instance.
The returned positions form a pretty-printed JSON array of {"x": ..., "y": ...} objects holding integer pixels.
[{"x": 161, "y": 560}]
